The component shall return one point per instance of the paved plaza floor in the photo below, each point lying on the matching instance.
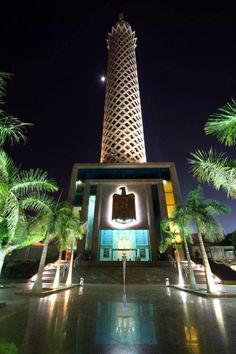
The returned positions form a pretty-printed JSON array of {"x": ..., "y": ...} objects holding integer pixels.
[{"x": 106, "y": 319}]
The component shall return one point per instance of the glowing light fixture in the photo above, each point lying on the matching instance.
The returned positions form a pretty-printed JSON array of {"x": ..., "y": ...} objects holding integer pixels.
[{"x": 78, "y": 183}]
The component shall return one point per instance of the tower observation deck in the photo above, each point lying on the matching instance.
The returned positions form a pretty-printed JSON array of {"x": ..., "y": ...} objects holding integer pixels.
[{"x": 122, "y": 138}]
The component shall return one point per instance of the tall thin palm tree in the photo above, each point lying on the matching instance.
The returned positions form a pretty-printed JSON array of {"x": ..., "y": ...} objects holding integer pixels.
[
  {"x": 181, "y": 219},
  {"x": 218, "y": 169},
  {"x": 69, "y": 228},
  {"x": 171, "y": 232},
  {"x": 49, "y": 220},
  {"x": 60, "y": 219},
  {"x": 76, "y": 230},
  {"x": 203, "y": 212}
]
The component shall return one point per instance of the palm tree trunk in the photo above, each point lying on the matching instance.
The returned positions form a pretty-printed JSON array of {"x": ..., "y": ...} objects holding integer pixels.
[
  {"x": 192, "y": 278},
  {"x": 69, "y": 276},
  {"x": 211, "y": 288},
  {"x": 57, "y": 275},
  {"x": 181, "y": 279},
  {"x": 38, "y": 285},
  {"x": 2, "y": 258}
]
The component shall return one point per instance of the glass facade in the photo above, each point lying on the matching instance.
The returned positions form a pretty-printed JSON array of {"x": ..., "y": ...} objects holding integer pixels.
[
  {"x": 135, "y": 243},
  {"x": 169, "y": 197},
  {"x": 90, "y": 221}
]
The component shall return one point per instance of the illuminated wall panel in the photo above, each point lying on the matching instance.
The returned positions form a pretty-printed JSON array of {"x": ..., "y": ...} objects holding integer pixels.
[
  {"x": 169, "y": 198},
  {"x": 90, "y": 221},
  {"x": 141, "y": 221}
]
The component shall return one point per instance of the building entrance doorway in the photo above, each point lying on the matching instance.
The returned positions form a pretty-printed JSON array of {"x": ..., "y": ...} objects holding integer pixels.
[{"x": 134, "y": 242}]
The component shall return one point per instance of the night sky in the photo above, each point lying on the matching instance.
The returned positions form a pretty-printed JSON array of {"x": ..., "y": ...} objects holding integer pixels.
[{"x": 186, "y": 57}]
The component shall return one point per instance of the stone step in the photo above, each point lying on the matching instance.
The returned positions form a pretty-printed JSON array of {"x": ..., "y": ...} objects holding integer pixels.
[
  {"x": 49, "y": 272},
  {"x": 118, "y": 264},
  {"x": 134, "y": 275}
]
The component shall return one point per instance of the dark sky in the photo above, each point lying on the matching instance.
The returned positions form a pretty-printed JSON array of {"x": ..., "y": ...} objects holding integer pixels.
[{"x": 57, "y": 52}]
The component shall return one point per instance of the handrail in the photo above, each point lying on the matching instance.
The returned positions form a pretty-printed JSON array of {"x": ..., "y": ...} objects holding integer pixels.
[
  {"x": 76, "y": 260},
  {"x": 184, "y": 267},
  {"x": 172, "y": 260},
  {"x": 224, "y": 262},
  {"x": 64, "y": 268}
]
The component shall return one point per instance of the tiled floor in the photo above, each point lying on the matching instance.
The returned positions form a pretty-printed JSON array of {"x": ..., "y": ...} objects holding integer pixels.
[{"x": 103, "y": 319}]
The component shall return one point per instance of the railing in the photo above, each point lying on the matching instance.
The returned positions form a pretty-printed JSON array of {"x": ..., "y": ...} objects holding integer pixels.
[
  {"x": 118, "y": 252},
  {"x": 66, "y": 265},
  {"x": 76, "y": 260},
  {"x": 64, "y": 268},
  {"x": 184, "y": 267},
  {"x": 172, "y": 260}
]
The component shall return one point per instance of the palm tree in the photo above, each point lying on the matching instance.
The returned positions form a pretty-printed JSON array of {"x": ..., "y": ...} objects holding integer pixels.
[
  {"x": 20, "y": 192},
  {"x": 49, "y": 220},
  {"x": 61, "y": 246},
  {"x": 203, "y": 214},
  {"x": 171, "y": 232},
  {"x": 76, "y": 230},
  {"x": 69, "y": 228},
  {"x": 181, "y": 219},
  {"x": 60, "y": 222},
  {"x": 215, "y": 168}
]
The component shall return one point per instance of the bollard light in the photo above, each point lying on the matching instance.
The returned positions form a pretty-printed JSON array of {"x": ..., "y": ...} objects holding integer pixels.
[
  {"x": 81, "y": 281},
  {"x": 167, "y": 282}
]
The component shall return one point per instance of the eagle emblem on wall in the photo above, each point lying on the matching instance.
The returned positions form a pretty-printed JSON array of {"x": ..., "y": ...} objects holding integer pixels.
[{"x": 123, "y": 207}]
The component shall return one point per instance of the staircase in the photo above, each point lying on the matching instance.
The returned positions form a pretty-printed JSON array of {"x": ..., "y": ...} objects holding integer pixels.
[
  {"x": 136, "y": 272},
  {"x": 199, "y": 272},
  {"x": 154, "y": 272},
  {"x": 50, "y": 271}
]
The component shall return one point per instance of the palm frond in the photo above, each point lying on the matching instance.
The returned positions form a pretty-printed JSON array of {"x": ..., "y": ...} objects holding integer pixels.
[
  {"x": 12, "y": 214},
  {"x": 216, "y": 208},
  {"x": 39, "y": 203},
  {"x": 215, "y": 169},
  {"x": 33, "y": 181},
  {"x": 12, "y": 129},
  {"x": 31, "y": 232},
  {"x": 211, "y": 229},
  {"x": 8, "y": 169},
  {"x": 165, "y": 244},
  {"x": 223, "y": 124},
  {"x": 203, "y": 213},
  {"x": 182, "y": 218},
  {"x": 3, "y": 77}
]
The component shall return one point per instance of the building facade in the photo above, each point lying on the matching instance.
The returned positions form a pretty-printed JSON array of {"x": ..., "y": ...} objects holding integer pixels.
[{"x": 123, "y": 198}]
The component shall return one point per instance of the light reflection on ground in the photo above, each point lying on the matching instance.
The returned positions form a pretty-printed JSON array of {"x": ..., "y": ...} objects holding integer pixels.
[{"x": 104, "y": 319}]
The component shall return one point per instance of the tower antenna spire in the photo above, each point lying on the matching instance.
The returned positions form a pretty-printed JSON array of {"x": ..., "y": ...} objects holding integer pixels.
[{"x": 121, "y": 17}]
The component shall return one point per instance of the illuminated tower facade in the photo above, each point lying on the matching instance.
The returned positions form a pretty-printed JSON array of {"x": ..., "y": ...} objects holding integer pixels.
[
  {"x": 122, "y": 138},
  {"x": 123, "y": 198}
]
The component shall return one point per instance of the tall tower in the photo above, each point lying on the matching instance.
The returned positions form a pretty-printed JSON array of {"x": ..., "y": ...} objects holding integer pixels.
[
  {"x": 123, "y": 198},
  {"x": 122, "y": 138}
]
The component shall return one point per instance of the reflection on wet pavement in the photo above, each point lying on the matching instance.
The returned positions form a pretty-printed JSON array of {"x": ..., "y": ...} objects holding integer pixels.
[{"x": 107, "y": 319}]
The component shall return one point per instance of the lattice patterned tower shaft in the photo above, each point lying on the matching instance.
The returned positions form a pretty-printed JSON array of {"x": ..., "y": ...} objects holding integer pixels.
[{"x": 123, "y": 138}]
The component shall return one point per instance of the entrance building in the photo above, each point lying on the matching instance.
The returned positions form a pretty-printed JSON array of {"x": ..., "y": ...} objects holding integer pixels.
[{"x": 123, "y": 205}]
